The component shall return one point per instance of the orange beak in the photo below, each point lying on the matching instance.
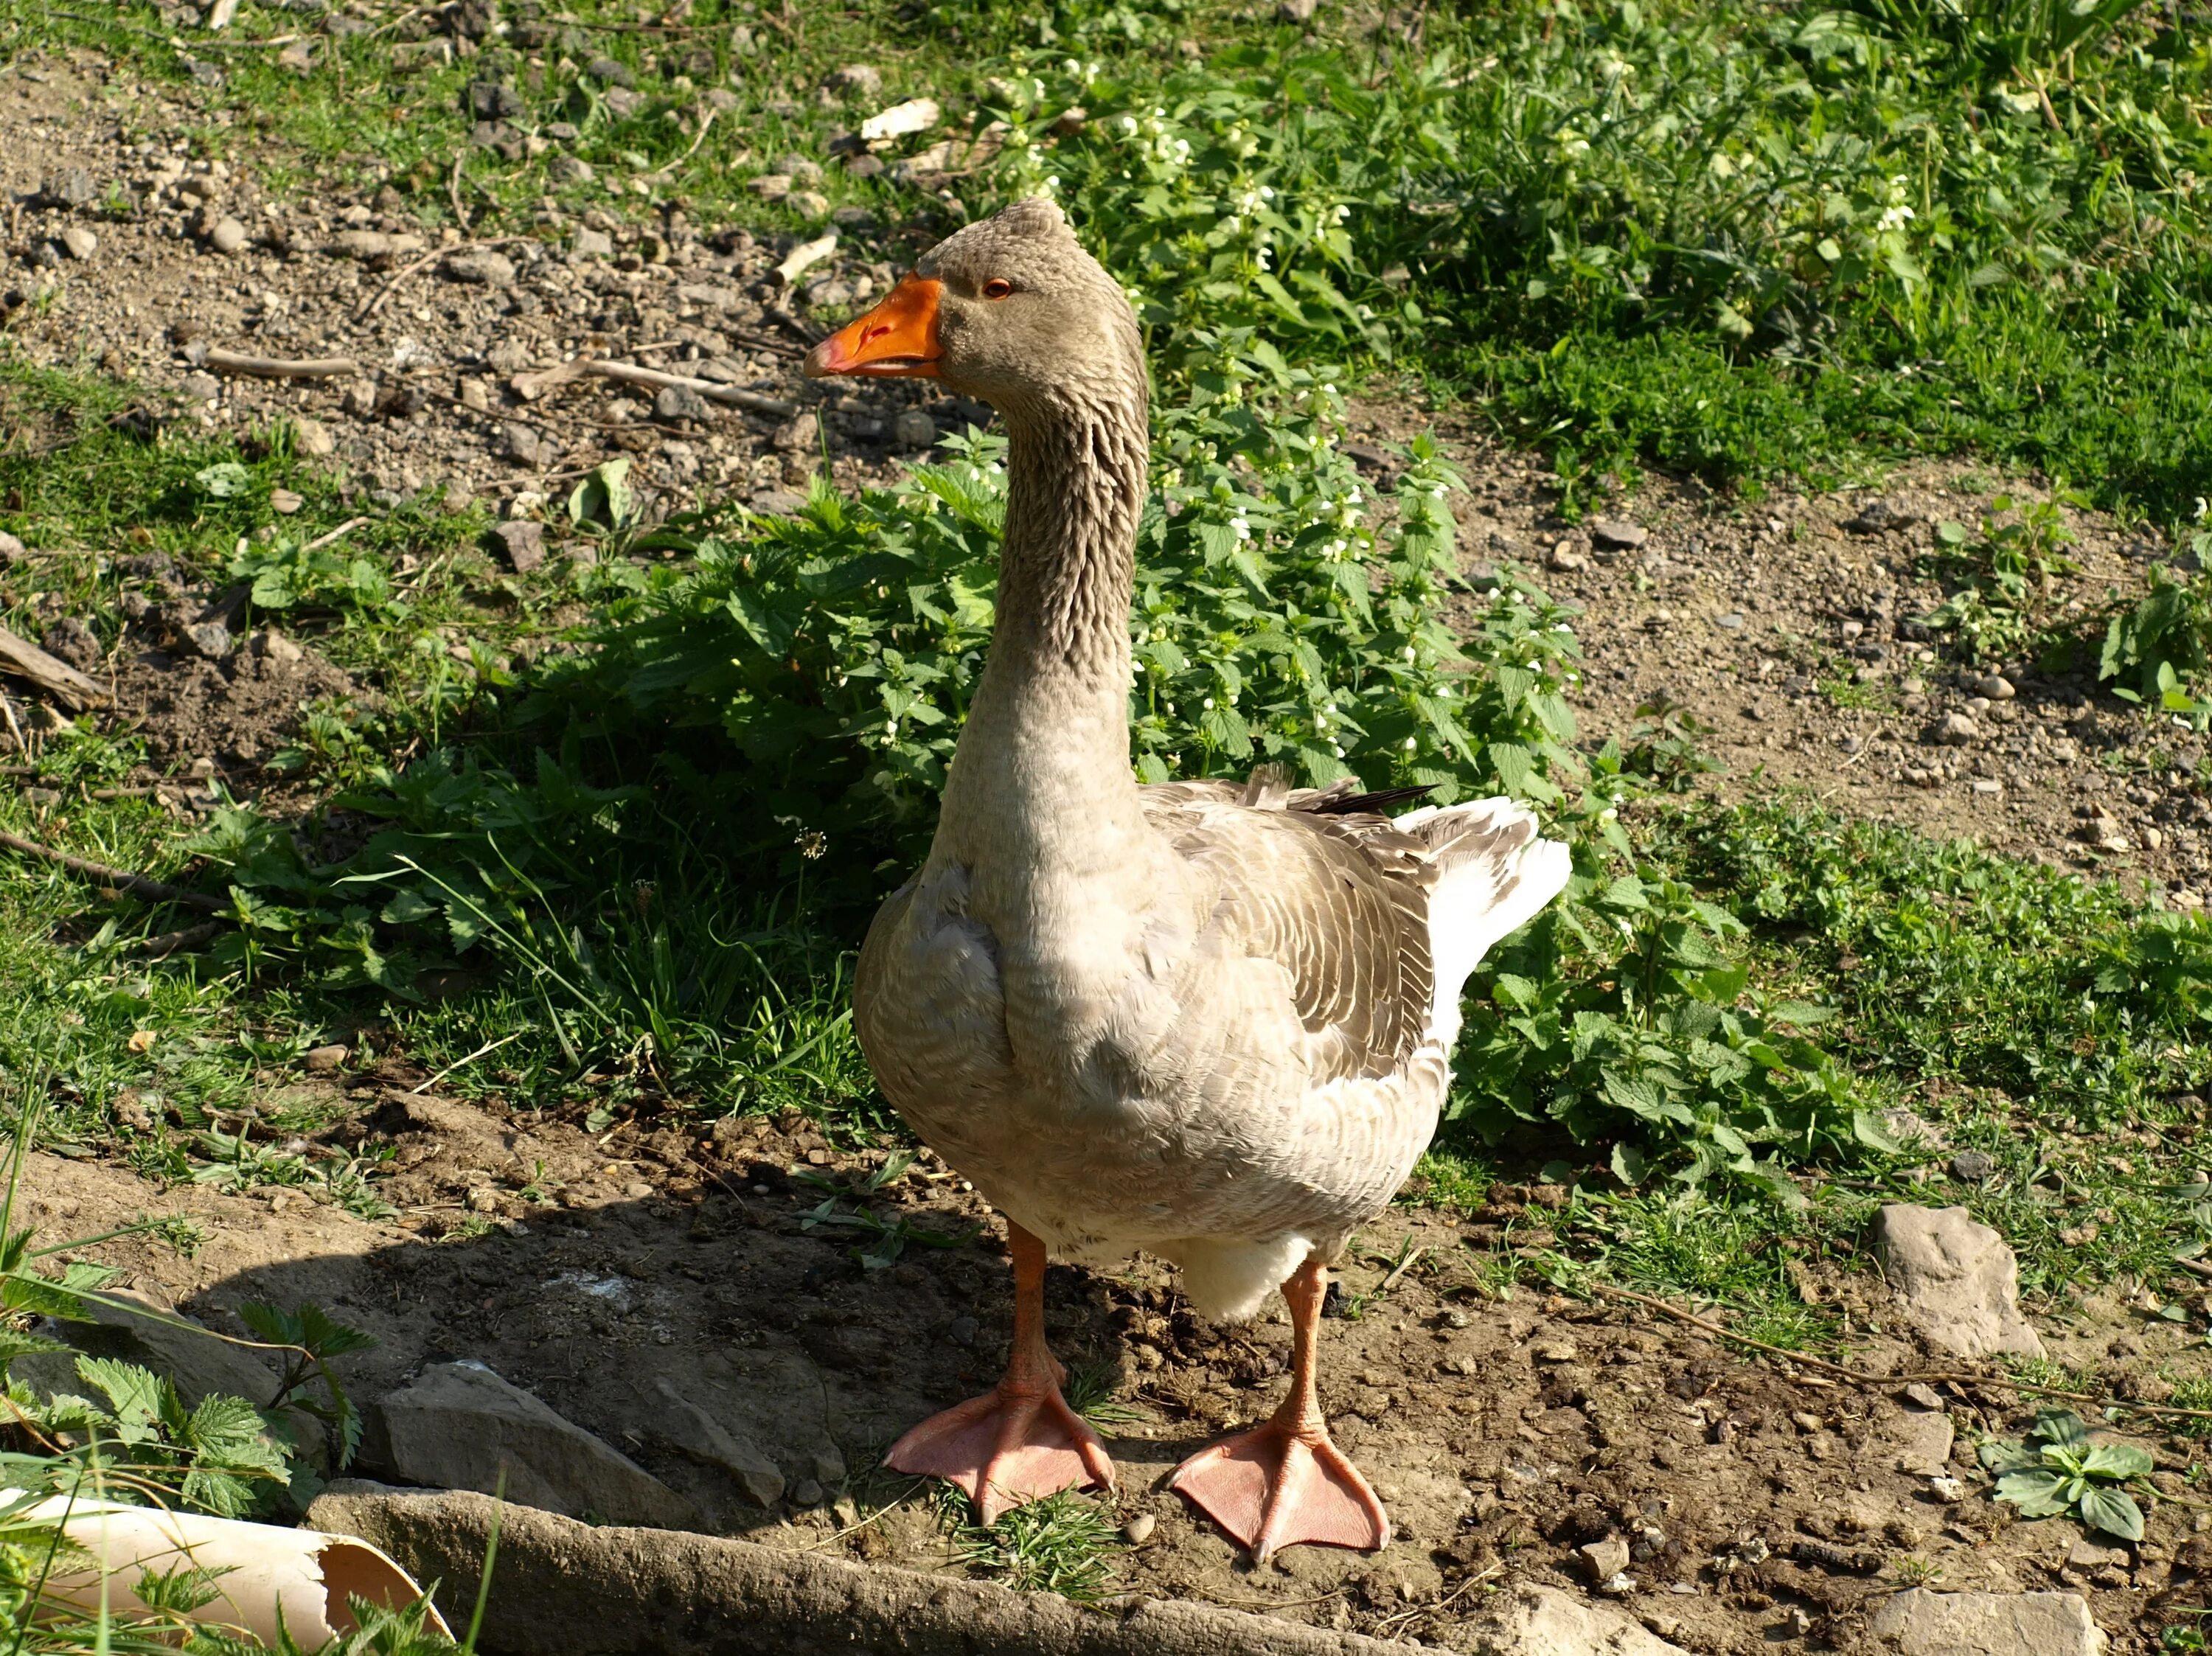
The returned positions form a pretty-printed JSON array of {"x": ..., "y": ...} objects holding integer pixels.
[{"x": 899, "y": 336}]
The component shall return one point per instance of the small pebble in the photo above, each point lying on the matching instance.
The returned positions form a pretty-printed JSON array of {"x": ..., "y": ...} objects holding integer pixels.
[
  {"x": 228, "y": 236},
  {"x": 79, "y": 243},
  {"x": 1139, "y": 1530}
]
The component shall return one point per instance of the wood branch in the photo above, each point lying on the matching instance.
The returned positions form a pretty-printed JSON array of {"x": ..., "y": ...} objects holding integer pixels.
[
  {"x": 531, "y": 386},
  {"x": 171, "y": 943},
  {"x": 121, "y": 878},
  {"x": 57, "y": 678},
  {"x": 424, "y": 263},
  {"x": 343, "y": 529},
  {"x": 279, "y": 367}
]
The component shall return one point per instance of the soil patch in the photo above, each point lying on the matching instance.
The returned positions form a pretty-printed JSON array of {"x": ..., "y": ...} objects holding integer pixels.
[{"x": 1506, "y": 1434}]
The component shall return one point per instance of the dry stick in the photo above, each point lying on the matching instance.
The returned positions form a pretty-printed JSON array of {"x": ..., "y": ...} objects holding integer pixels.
[
  {"x": 114, "y": 877},
  {"x": 349, "y": 526},
  {"x": 57, "y": 678},
  {"x": 279, "y": 367},
  {"x": 532, "y": 386},
  {"x": 663, "y": 172},
  {"x": 171, "y": 943},
  {"x": 1857, "y": 1377}
]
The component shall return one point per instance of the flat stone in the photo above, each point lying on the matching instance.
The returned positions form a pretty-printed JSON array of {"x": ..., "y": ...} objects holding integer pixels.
[
  {"x": 913, "y": 428},
  {"x": 227, "y": 235},
  {"x": 202, "y": 387},
  {"x": 1957, "y": 1280},
  {"x": 1951, "y": 731},
  {"x": 312, "y": 439},
  {"x": 521, "y": 444},
  {"x": 1606, "y": 1559},
  {"x": 855, "y": 81},
  {"x": 778, "y": 502},
  {"x": 74, "y": 188},
  {"x": 681, "y": 403},
  {"x": 522, "y": 542},
  {"x": 1995, "y": 686},
  {"x": 144, "y": 1330},
  {"x": 325, "y": 1061},
  {"x": 688, "y": 1428},
  {"x": 272, "y": 646},
  {"x": 1621, "y": 535},
  {"x": 1527, "y": 1619},
  {"x": 459, "y": 1426},
  {"x": 363, "y": 245},
  {"x": 11, "y": 550},
  {"x": 1972, "y": 1166},
  {"x": 592, "y": 244},
  {"x": 1879, "y": 516},
  {"x": 799, "y": 435},
  {"x": 79, "y": 243},
  {"x": 210, "y": 640},
  {"x": 1921, "y": 1443},
  {"x": 572, "y": 169},
  {"x": 1565, "y": 559},
  {"x": 485, "y": 267},
  {"x": 2088, "y": 1555},
  {"x": 1925, "y": 1623}
]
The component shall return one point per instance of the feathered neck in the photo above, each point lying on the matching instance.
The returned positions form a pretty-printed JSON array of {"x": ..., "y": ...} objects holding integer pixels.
[{"x": 1042, "y": 775}]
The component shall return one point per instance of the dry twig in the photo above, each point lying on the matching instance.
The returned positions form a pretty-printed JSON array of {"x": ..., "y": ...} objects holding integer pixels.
[
  {"x": 279, "y": 367},
  {"x": 531, "y": 386},
  {"x": 121, "y": 878},
  {"x": 57, "y": 678}
]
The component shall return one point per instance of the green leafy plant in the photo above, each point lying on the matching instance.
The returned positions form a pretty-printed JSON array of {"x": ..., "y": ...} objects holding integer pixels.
[
  {"x": 2007, "y": 574},
  {"x": 286, "y": 573},
  {"x": 1063, "y": 1543},
  {"x": 2059, "y": 1471},
  {"x": 311, "y": 1341}
]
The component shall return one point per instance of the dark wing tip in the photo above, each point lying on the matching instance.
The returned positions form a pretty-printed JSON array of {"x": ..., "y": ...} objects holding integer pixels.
[{"x": 1356, "y": 804}]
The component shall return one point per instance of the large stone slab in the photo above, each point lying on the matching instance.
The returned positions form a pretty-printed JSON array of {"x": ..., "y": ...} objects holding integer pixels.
[
  {"x": 1956, "y": 1279},
  {"x": 1923, "y": 1623},
  {"x": 139, "y": 1329},
  {"x": 459, "y": 1426},
  {"x": 1528, "y": 1620},
  {"x": 561, "y": 1588}
]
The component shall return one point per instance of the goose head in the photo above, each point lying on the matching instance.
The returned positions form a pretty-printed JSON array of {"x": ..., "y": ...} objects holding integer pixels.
[{"x": 1010, "y": 309}]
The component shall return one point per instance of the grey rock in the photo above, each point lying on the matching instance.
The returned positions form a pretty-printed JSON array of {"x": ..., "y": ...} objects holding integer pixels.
[
  {"x": 312, "y": 439},
  {"x": 79, "y": 243},
  {"x": 1139, "y": 1530},
  {"x": 522, "y": 542},
  {"x": 862, "y": 165},
  {"x": 325, "y": 1061},
  {"x": 74, "y": 188},
  {"x": 592, "y": 244},
  {"x": 623, "y": 101},
  {"x": 272, "y": 646},
  {"x": 688, "y": 1428},
  {"x": 799, "y": 435},
  {"x": 808, "y": 1493},
  {"x": 1956, "y": 1279},
  {"x": 560, "y": 1582},
  {"x": 1920, "y": 1442},
  {"x": 1925, "y": 1623},
  {"x": 800, "y": 169},
  {"x": 1878, "y": 516},
  {"x": 1731, "y": 622},
  {"x": 2088, "y": 1555},
  {"x": 1951, "y": 731},
  {"x": 1565, "y": 559},
  {"x": 210, "y": 640},
  {"x": 485, "y": 267},
  {"x": 855, "y": 81},
  {"x": 1921, "y": 1395},
  {"x": 572, "y": 169},
  {"x": 1972, "y": 1166},
  {"x": 808, "y": 203},
  {"x": 1995, "y": 686},
  {"x": 1621, "y": 536},
  {"x": 1297, "y": 11},
  {"x": 71, "y": 640},
  {"x": 1606, "y": 1559},
  {"x": 778, "y": 502},
  {"x": 146, "y": 1332},
  {"x": 11, "y": 550},
  {"x": 202, "y": 387},
  {"x": 227, "y": 235},
  {"x": 1527, "y": 1619},
  {"x": 608, "y": 72},
  {"x": 914, "y": 429},
  {"x": 521, "y": 444},
  {"x": 363, "y": 245},
  {"x": 681, "y": 403},
  {"x": 459, "y": 1426}
]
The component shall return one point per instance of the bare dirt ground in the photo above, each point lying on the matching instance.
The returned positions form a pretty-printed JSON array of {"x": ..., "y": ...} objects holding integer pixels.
[{"x": 1760, "y": 1506}]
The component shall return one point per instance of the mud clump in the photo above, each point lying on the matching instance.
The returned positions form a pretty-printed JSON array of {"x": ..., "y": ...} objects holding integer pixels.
[{"x": 238, "y": 710}]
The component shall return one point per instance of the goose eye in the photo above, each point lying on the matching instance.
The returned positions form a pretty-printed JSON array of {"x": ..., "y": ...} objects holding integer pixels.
[{"x": 997, "y": 288}]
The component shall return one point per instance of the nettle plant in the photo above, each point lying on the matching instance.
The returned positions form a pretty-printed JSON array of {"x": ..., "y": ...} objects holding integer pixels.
[{"x": 1286, "y": 611}]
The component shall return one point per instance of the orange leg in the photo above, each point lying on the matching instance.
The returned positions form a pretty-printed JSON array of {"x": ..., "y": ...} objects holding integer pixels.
[
  {"x": 1020, "y": 1440},
  {"x": 1284, "y": 1483}
]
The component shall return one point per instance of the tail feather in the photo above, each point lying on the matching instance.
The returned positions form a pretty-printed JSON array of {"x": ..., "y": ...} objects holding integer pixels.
[{"x": 1494, "y": 874}]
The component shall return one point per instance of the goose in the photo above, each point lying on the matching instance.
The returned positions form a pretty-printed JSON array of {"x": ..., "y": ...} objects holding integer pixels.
[{"x": 1207, "y": 1020}]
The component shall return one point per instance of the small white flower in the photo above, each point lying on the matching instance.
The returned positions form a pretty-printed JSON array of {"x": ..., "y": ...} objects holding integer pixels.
[
  {"x": 1408, "y": 652},
  {"x": 1321, "y": 721},
  {"x": 1260, "y": 255},
  {"x": 891, "y": 730},
  {"x": 1241, "y": 529},
  {"x": 1607, "y": 815},
  {"x": 1412, "y": 743},
  {"x": 1209, "y": 703},
  {"x": 1338, "y": 748},
  {"x": 1343, "y": 214}
]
